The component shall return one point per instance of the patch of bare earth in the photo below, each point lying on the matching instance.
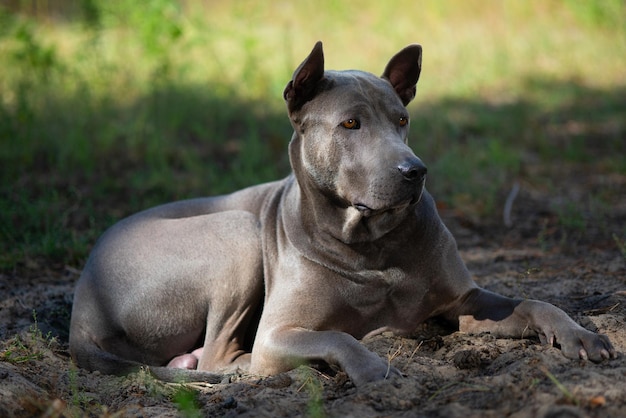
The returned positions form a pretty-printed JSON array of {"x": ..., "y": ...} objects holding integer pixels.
[{"x": 448, "y": 374}]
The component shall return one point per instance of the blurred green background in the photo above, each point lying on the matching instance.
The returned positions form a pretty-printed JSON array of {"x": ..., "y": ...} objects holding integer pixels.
[{"x": 110, "y": 107}]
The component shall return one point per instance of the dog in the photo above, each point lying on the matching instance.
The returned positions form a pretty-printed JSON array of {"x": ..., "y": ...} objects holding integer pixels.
[{"x": 273, "y": 276}]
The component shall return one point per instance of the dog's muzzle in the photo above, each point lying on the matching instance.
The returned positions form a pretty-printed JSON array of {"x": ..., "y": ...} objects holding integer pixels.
[{"x": 407, "y": 191}]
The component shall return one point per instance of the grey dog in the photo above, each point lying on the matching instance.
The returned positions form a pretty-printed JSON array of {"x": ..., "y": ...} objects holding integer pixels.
[{"x": 298, "y": 270}]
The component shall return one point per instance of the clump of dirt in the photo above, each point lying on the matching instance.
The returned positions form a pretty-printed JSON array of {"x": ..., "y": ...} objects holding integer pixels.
[{"x": 446, "y": 373}]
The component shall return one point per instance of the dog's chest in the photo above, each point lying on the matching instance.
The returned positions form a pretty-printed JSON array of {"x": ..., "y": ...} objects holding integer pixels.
[{"x": 390, "y": 296}]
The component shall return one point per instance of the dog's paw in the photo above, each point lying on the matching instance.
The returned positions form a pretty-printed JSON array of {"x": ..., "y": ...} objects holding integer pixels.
[
  {"x": 371, "y": 369},
  {"x": 580, "y": 343}
]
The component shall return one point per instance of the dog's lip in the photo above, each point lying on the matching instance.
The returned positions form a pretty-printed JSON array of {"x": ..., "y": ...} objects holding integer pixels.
[
  {"x": 367, "y": 211},
  {"x": 361, "y": 207}
]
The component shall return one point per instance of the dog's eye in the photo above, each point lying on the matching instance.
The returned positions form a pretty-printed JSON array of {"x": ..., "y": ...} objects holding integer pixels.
[
  {"x": 351, "y": 124},
  {"x": 403, "y": 121}
]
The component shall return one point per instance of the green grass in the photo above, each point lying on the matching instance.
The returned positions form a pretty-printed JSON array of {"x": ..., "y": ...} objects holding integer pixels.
[
  {"x": 107, "y": 108},
  {"x": 187, "y": 402},
  {"x": 18, "y": 350}
]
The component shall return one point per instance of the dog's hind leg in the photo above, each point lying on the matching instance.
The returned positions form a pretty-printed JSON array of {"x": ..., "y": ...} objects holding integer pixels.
[{"x": 157, "y": 288}]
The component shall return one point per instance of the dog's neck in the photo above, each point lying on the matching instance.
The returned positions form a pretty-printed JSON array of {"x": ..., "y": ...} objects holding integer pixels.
[{"x": 314, "y": 227}]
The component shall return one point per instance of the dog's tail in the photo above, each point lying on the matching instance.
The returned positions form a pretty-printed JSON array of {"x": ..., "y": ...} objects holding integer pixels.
[
  {"x": 172, "y": 375},
  {"x": 86, "y": 354}
]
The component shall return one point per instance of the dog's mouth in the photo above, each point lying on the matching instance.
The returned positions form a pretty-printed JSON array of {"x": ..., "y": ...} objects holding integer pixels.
[{"x": 368, "y": 212}]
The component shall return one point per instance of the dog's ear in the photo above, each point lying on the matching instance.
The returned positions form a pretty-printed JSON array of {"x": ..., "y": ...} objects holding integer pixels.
[
  {"x": 302, "y": 86},
  {"x": 403, "y": 71}
]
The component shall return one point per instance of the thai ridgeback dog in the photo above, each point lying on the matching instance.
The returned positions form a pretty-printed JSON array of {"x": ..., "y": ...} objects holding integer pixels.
[{"x": 299, "y": 270}]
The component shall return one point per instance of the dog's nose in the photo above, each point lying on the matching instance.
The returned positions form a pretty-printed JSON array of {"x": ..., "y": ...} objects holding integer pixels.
[{"x": 413, "y": 170}]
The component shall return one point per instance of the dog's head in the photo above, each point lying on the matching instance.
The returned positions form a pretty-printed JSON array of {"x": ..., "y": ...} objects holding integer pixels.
[{"x": 350, "y": 141}]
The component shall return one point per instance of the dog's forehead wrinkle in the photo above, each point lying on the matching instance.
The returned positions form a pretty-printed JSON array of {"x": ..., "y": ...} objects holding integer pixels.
[
  {"x": 354, "y": 110},
  {"x": 360, "y": 81}
]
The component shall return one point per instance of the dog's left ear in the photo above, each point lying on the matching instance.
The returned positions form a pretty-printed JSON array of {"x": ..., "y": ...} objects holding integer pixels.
[
  {"x": 302, "y": 86},
  {"x": 403, "y": 71}
]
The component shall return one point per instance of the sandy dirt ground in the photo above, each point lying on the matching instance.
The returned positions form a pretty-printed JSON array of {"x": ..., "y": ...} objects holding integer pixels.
[{"x": 448, "y": 374}]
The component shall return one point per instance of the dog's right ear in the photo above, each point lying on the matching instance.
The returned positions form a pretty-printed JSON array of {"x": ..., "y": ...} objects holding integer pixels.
[{"x": 302, "y": 86}]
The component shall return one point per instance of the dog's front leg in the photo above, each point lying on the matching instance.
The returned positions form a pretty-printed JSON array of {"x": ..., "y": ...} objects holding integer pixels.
[
  {"x": 484, "y": 311},
  {"x": 286, "y": 348}
]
